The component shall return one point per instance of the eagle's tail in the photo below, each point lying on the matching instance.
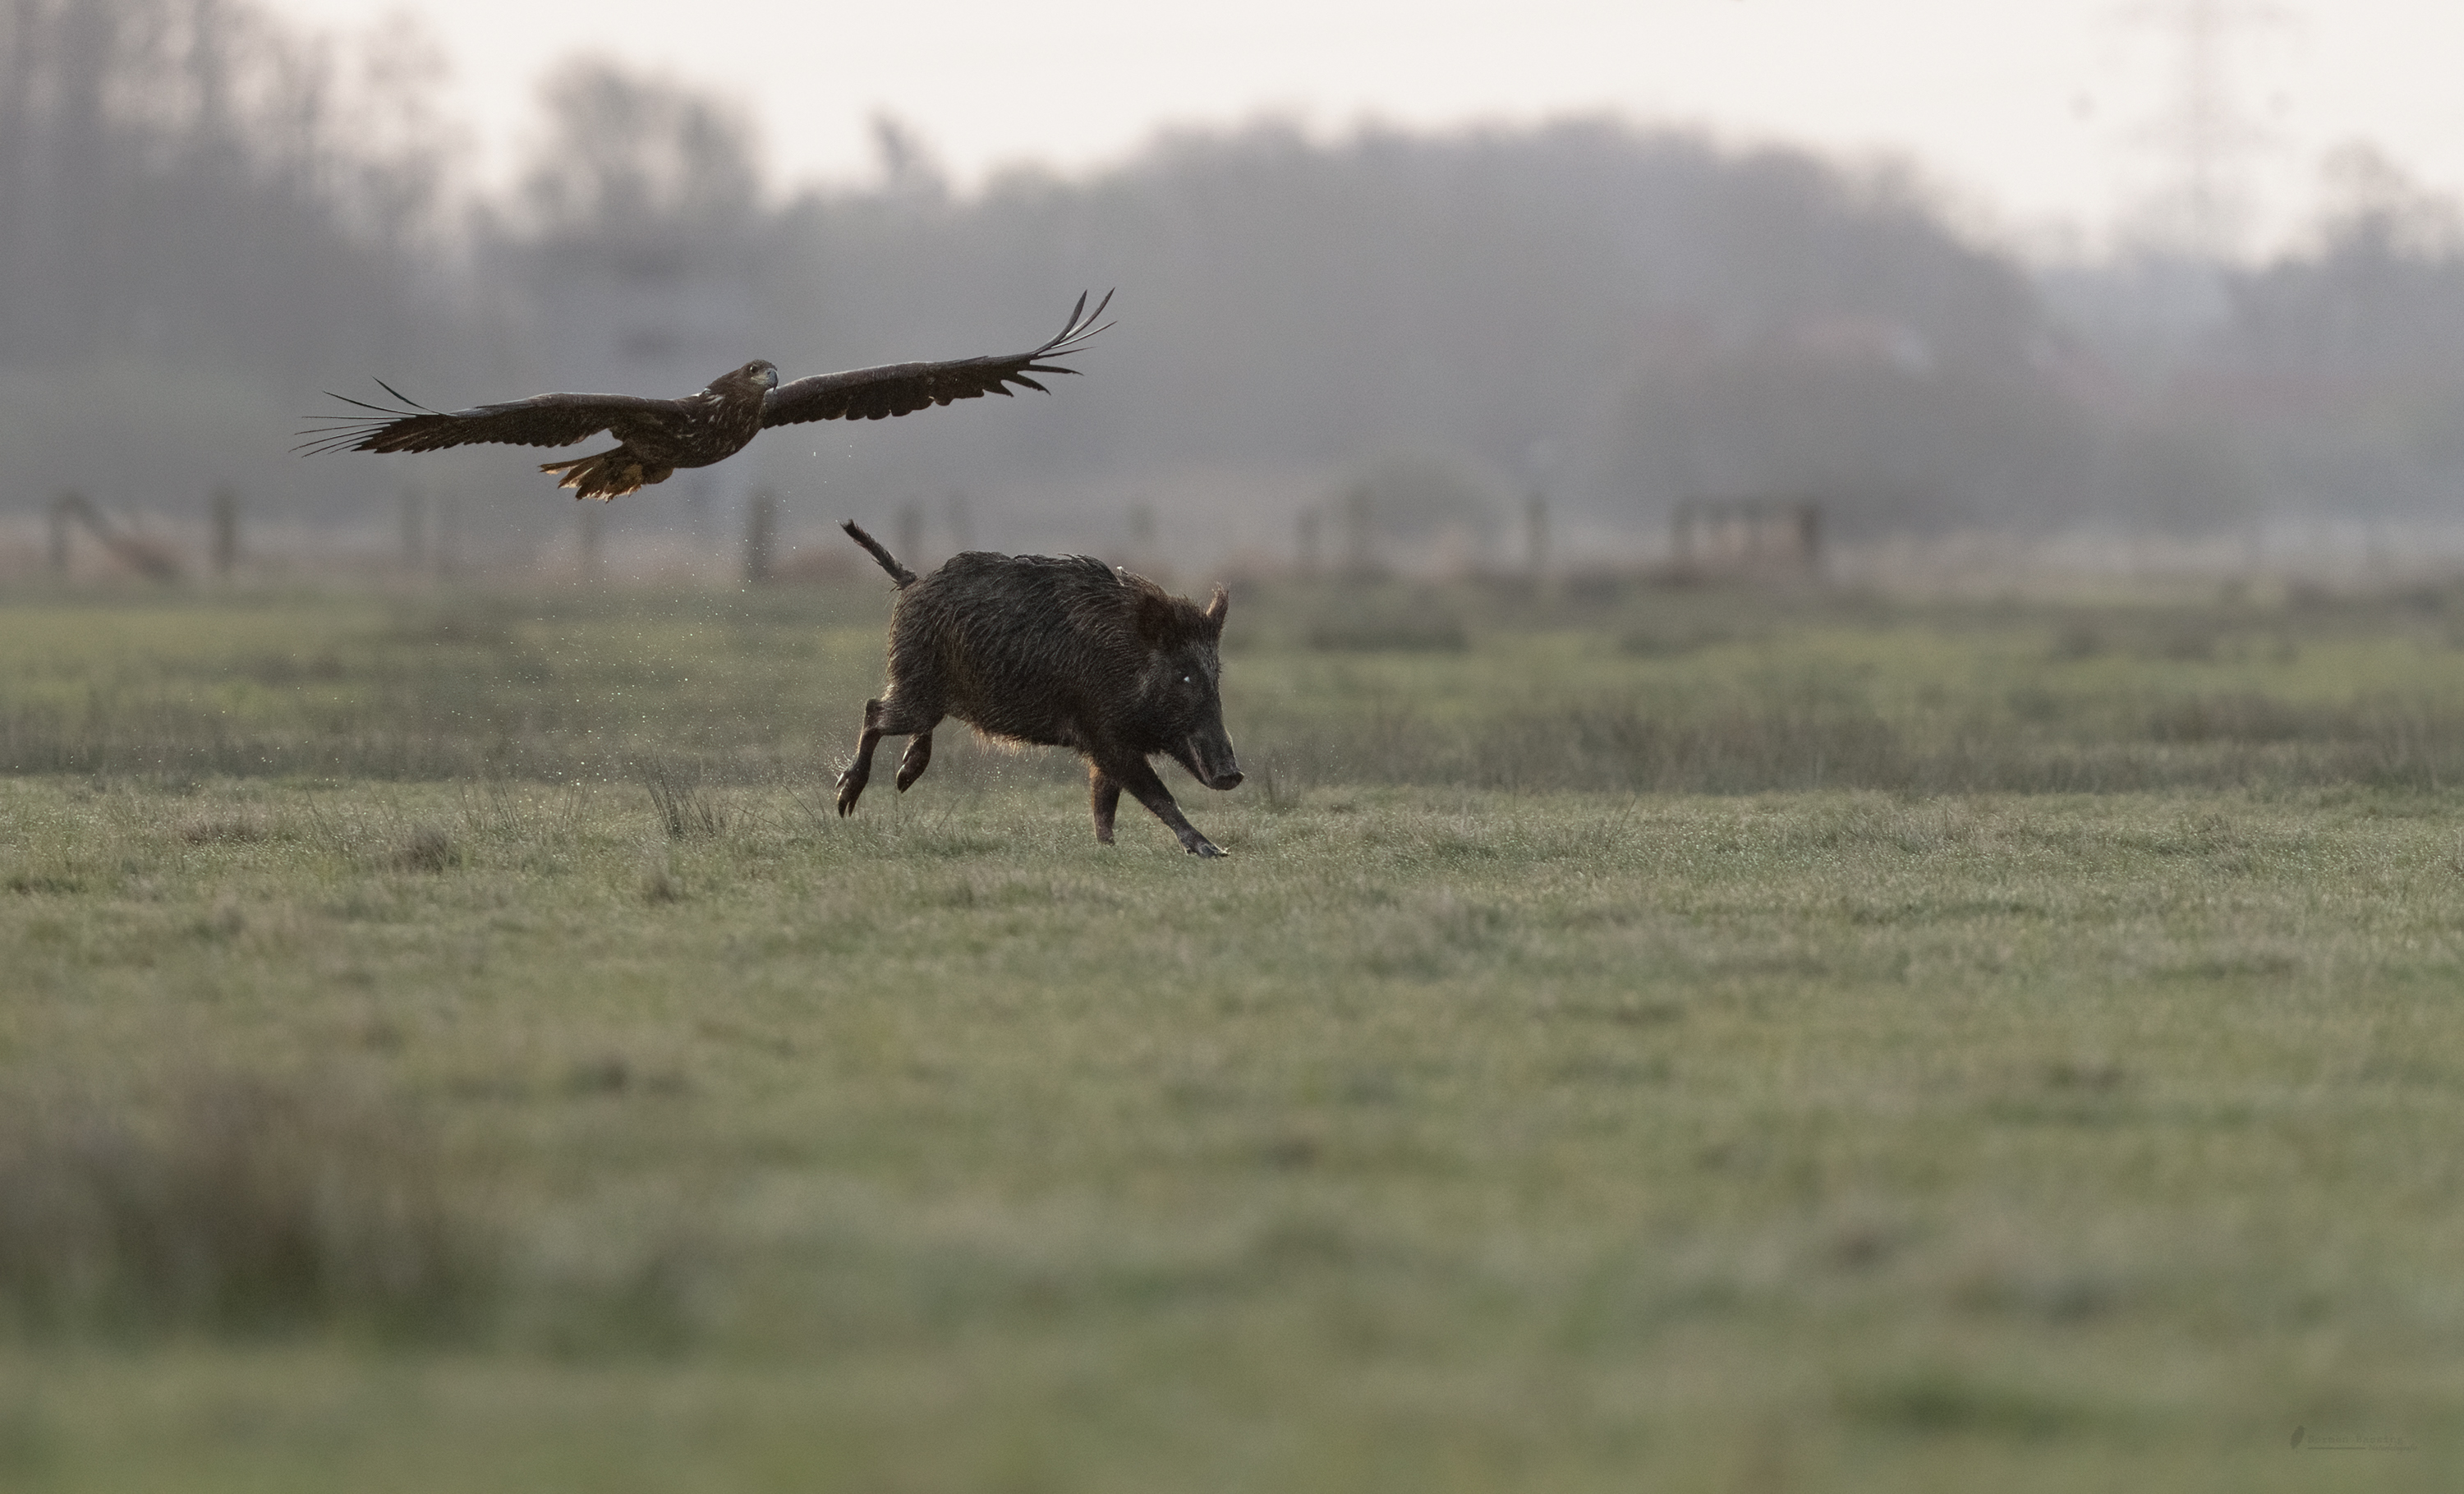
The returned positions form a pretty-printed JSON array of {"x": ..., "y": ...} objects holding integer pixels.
[
  {"x": 608, "y": 475},
  {"x": 889, "y": 562}
]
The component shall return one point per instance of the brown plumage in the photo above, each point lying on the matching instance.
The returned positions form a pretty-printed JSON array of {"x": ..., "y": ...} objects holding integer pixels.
[{"x": 656, "y": 437}]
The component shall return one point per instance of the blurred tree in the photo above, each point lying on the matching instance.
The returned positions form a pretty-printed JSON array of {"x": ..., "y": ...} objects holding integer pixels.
[
  {"x": 647, "y": 179},
  {"x": 180, "y": 182},
  {"x": 636, "y": 235},
  {"x": 199, "y": 214},
  {"x": 2343, "y": 371}
]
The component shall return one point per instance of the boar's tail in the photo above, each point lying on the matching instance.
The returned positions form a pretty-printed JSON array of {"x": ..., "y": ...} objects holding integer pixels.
[{"x": 889, "y": 562}]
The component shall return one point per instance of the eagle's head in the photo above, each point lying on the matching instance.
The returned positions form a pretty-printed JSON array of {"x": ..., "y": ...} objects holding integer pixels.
[{"x": 761, "y": 371}]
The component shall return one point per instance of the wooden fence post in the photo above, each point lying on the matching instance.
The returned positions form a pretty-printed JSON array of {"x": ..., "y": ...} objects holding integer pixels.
[
  {"x": 761, "y": 536},
  {"x": 63, "y": 508},
  {"x": 226, "y": 533}
]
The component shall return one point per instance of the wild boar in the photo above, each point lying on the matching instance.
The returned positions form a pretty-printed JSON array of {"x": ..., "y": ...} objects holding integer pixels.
[{"x": 1059, "y": 652}]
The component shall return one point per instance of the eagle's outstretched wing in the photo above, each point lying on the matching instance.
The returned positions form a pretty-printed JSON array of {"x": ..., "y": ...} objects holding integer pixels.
[
  {"x": 541, "y": 420},
  {"x": 904, "y": 388}
]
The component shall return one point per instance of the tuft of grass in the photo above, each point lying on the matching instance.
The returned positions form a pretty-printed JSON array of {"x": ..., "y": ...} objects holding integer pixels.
[
  {"x": 2076, "y": 642},
  {"x": 1934, "y": 1400},
  {"x": 659, "y": 882},
  {"x": 426, "y": 848},
  {"x": 243, "y": 1208},
  {"x": 243, "y": 828},
  {"x": 683, "y": 805},
  {"x": 1275, "y": 787},
  {"x": 1664, "y": 643}
]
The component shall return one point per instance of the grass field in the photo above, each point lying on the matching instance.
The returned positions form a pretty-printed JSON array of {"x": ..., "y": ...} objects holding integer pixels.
[{"x": 1639, "y": 1040}]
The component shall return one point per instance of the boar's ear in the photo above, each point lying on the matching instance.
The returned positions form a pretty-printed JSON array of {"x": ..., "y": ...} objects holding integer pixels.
[
  {"x": 1215, "y": 610},
  {"x": 1159, "y": 626}
]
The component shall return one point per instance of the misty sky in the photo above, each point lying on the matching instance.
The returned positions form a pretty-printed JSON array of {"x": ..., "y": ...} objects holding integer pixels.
[{"x": 2037, "y": 114}]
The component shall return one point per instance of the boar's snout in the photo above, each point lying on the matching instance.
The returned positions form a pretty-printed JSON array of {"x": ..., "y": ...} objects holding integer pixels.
[{"x": 1210, "y": 761}]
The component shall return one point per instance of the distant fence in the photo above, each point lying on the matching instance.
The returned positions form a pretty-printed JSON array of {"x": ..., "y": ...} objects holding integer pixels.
[
  {"x": 148, "y": 557},
  {"x": 1752, "y": 538}
]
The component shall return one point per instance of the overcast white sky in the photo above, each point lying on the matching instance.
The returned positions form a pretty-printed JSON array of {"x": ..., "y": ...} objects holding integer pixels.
[{"x": 2035, "y": 112}]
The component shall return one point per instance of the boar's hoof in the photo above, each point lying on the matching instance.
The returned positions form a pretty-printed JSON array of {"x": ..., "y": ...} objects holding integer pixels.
[
  {"x": 1202, "y": 847},
  {"x": 912, "y": 765}
]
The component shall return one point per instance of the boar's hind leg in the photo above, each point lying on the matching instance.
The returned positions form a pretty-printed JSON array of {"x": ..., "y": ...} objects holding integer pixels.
[
  {"x": 855, "y": 775},
  {"x": 881, "y": 718},
  {"x": 913, "y": 762},
  {"x": 1134, "y": 775},
  {"x": 1104, "y": 796}
]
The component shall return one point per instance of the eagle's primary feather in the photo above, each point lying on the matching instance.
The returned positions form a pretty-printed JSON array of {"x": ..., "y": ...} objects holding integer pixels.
[{"x": 904, "y": 388}]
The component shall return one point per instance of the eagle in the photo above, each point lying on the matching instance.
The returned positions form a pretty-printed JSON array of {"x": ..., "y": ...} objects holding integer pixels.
[{"x": 656, "y": 437}]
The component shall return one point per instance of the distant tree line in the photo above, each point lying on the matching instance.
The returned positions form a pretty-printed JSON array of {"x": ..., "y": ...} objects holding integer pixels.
[
  {"x": 206, "y": 219},
  {"x": 2341, "y": 369},
  {"x": 184, "y": 180},
  {"x": 201, "y": 214}
]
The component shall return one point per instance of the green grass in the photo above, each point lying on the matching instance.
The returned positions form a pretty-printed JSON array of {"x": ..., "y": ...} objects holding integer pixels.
[
  {"x": 1623, "y": 690},
  {"x": 569, "y": 1101}
]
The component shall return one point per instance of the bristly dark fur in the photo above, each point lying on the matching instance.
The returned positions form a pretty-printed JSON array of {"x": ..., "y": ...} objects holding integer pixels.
[{"x": 1058, "y": 652}]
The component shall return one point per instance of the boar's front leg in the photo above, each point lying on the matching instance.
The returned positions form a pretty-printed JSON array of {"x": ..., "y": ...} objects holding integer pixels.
[
  {"x": 1104, "y": 796},
  {"x": 1134, "y": 775}
]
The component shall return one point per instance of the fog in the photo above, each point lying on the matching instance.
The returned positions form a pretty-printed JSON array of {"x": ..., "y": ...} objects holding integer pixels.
[{"x": 207, "y": 222}]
